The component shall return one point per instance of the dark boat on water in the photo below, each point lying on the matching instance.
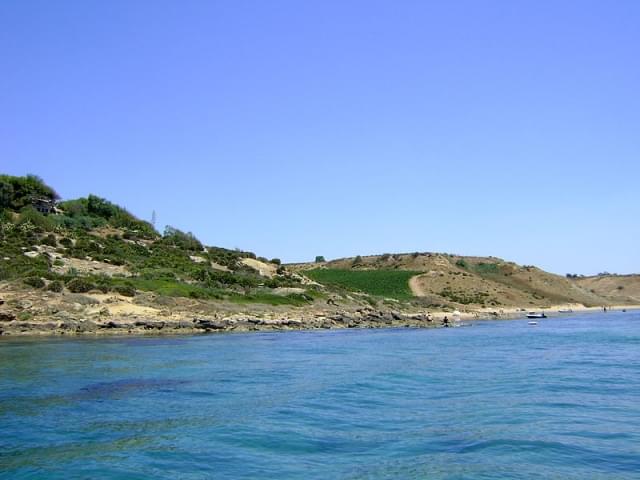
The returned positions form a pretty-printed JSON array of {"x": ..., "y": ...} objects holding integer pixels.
[{"x": 536, "y": 315}]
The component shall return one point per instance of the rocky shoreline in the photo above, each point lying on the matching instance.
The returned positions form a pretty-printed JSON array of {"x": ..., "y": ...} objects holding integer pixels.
[
  {"x": 24, "y": 312},
  {"x": 64, "y": 324}
]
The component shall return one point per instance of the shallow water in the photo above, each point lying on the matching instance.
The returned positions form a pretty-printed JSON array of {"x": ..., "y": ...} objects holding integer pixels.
[{"x": 498, "y": 400}]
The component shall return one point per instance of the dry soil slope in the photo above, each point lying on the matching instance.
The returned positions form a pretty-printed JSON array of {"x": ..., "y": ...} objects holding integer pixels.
[
  {"x": 615, "y": 288},
  {"x": 474, "y": 281}
]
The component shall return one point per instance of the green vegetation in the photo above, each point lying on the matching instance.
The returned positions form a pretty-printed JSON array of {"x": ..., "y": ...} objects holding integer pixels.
[
  {"x": 55, "y": 286},
  {"x": 93, "y": 212},
  {"x": 381, "y": 283},
  {"x": 35, "y": 282},
  {"x": 92, "y": 228},
  {"x": 462, "y": 264},
  {"x": 467, "y": 297},
  {"x": 487, "y": 268},
  {"x": 320, "y": 259},
  {"x": 19, "y": 192},
  {"x": 182, "y": 240},
  {"x": 80, "y": 285}
]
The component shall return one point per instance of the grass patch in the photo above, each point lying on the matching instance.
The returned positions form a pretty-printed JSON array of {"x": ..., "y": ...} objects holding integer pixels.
[
  {"x": 381, "y": 283},
  {"x": 487, "y": 268}
]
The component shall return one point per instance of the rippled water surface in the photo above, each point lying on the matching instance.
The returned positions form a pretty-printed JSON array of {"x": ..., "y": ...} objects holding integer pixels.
[{"x": 497, "y": 400}]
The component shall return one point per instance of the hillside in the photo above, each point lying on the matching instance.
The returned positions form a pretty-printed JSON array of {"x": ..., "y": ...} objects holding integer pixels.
[
  {"x": 620, "y": 289},
  {"x": 444, "y": 280},
  {"x": 88, "y": 265},
  {"x": 92, "y": 244}
]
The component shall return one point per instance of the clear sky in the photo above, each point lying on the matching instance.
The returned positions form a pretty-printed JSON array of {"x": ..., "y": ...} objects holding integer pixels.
[{"x": 336, "y": 128}]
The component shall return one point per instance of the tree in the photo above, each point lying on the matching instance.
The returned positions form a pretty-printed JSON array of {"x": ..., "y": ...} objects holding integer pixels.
[
  {"x": 6, "y": 194},
  {"x": 19, "y": 192},
  {"x": 185, "y": 241},
  {"x": 320, "y": 259}
]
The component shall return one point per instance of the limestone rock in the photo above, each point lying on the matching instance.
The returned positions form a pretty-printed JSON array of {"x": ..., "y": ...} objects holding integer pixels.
[{"x": 7, "y": 316}]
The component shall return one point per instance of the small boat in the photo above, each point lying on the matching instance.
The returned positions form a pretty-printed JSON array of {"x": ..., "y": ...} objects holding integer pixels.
[
  {"x": 536, "y": 315},
  {"x": 565, "y": 310},
  {"x": 462, "y": 324},
  {"x": 532, "y": 322}
]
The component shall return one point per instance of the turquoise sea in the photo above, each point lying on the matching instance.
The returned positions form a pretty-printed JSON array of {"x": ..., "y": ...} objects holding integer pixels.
[{"x": 499, "y": 400}]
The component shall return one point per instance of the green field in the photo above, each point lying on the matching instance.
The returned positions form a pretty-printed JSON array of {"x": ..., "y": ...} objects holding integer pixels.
[{"x": 381, "y": 283}]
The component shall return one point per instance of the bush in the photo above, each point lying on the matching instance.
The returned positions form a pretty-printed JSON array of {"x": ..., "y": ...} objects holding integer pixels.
[
  {"x": 49, "y": 240},
  {"x": 462, "y": 264},
  {"x": 180, "y": 239},
  {"x": 66, "y": 242},
  {"x": 320, "y": 259},
  {"x": 19, "y": 192},
  {"x": 93, "y": 211},
  {"x": 126, "y": 289},
  {"x": 35, "y": 282},
  {"x": 55, "y": 286},
  {"x": 103, "y": 283},
  {"x": 80, "y": 285},
  {"x": 276, "y": 261},
  {"x": 35, "y": 218}
]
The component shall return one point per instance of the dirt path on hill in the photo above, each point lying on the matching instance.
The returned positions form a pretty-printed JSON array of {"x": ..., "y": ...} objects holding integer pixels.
[{"x": 415, "y": 287}]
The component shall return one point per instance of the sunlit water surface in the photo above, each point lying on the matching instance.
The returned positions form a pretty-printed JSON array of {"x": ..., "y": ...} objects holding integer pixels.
[{"x": 497, "y": 400}]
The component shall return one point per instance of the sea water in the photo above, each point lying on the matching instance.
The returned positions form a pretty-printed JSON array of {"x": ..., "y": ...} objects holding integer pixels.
[{"x": 501, "y": 399}]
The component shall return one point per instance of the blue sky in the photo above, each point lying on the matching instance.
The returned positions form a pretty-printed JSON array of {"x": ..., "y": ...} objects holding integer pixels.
[{"x": 338, "y": 128}]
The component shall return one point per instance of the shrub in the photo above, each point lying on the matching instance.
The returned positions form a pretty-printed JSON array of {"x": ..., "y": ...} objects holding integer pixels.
[
  {"x": 49, "y": 240},
  {"x": 276, "y": 261},
  {"x": 35, "y": 282},
  {"x": 103, "y": 283},
  {"x": 25, "y": 316},
  {"x": 31, "y": 215},
  {"x": 320, "y": 259},
  {"x": 462, "y": 264},
  {"x": 18, "y": 192},
  {"x": 66, "y": 242},
  {"x": 126, "y": 289},
  {"x": 55, "y": 286},
  {"x": 180, "y": 239},
  {"x": 487, "y": 268},
  {"x": 80, "y": 285},
  {"x": 357, "y": 260}
]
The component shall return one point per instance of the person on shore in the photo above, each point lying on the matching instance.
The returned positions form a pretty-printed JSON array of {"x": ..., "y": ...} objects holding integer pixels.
[{"x": 445, "y": 321}]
